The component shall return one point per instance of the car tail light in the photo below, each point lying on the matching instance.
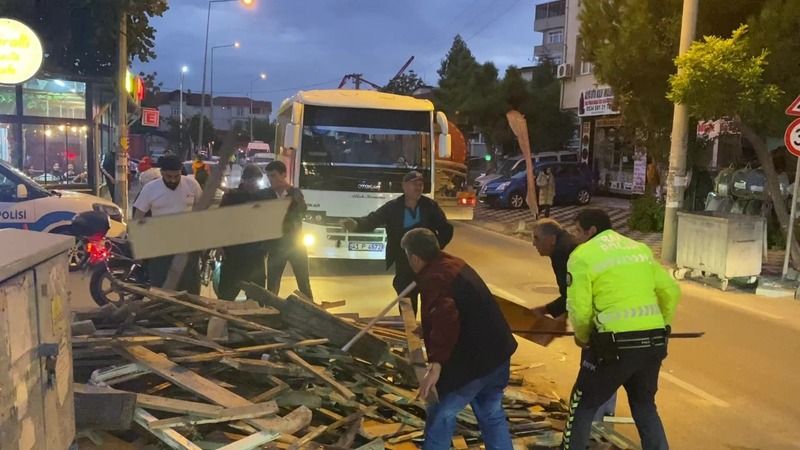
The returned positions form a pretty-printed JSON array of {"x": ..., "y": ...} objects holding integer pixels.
[{"x": 467, "y": 199}]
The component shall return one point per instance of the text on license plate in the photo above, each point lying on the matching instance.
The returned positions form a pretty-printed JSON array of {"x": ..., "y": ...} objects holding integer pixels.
[{"x": 365, "y": 246}]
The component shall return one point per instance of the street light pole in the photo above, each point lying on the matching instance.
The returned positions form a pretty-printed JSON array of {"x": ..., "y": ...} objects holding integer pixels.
[
  {"x": 121, "y": 191},
  {"x": 211, "y": 93},
  {"x": 246, "y": 3},
  {"x": 262, "y": 76},
  {"x": 676, "y": 177},
  {"x": 184, "y": 69}
]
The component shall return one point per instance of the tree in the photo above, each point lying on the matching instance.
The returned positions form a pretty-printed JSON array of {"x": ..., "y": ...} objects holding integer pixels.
[
  {"x": 194, "y": 130},
  {"x": 455, "y": 73},
  {"x": 718, "y": 77},
  {"x": 151, "y": 88},
  {"x": 404, "y": 84},
  {"x": 549, "y": 127},
  {"x": 177, "y": 139},
  {"x": 80, "y": 36},
  {"x": 632, "y": 44}
]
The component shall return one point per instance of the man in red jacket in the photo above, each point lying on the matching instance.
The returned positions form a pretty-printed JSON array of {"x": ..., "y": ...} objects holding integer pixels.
[{"x": 468, "y": 341}]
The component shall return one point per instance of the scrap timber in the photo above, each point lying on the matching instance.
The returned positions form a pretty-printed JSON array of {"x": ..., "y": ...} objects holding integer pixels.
[{"x": 277, "y": 378}]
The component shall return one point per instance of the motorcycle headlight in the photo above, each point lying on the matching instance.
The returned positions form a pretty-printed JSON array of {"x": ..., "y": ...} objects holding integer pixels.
[
  {"x": 502, "y": 186},
  {"x": 112, "y": 211}
]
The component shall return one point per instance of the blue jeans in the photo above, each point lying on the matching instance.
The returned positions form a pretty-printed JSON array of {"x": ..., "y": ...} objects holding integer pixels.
[{"x": 485, "y": 395}]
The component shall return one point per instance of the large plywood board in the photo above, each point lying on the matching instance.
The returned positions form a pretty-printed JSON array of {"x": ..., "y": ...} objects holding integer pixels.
[{"x": 211, "y": 228}]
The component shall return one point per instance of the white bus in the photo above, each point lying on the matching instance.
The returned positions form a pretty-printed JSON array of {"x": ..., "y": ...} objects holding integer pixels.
[{"x": 348, "y": 151}]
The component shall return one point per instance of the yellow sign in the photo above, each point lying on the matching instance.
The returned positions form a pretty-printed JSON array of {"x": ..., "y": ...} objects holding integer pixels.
[{"x": 21, "y": 52}]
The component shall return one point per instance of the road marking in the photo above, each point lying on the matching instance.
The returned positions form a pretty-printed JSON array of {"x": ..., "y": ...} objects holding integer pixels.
[{"x": 694, "y": 390}]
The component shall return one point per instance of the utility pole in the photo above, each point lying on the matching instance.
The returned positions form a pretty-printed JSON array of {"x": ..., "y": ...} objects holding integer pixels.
[
  {"x": 121, "y": 176},
  {"x": 676, "y": 177}
]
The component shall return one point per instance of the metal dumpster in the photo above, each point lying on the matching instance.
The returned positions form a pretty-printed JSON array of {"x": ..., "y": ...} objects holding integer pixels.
[{"x": 722, "y": 244}]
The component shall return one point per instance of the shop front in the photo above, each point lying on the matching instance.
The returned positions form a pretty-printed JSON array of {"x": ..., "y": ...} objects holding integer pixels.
[
  {"x": 618, "y": 163},
  {"x": 48, "y": 130}
]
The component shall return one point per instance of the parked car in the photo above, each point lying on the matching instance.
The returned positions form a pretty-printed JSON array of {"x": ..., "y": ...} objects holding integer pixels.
[
  {"x": 574, "y": 184},
  {"x": 516, "y": 164}
]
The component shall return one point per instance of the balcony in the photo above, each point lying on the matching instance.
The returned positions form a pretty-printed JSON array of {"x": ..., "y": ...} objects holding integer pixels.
[
  {"x": 550, "y": 15},
  {"x": 552, "y": 51}
]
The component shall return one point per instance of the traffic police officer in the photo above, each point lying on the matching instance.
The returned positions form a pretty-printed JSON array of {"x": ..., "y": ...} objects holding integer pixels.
[{"x": 620, "y": 303}]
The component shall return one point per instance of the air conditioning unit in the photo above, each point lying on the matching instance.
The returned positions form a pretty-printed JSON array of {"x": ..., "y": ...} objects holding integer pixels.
[{"x": 564, "y": 71}]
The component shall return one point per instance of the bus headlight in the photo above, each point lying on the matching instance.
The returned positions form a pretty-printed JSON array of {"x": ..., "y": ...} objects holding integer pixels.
[{"x": 309, "y": 240}]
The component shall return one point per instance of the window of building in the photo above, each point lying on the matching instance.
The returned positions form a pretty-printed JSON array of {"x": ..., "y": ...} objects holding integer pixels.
[
  {"x": 8, "y": 100},
  {"x": 586, "y": 67},
  {"x": 555, "y": 37},
  {"x": 176, "y": 111},
  {"x": 556, "y": 60},
  {"x": 54, "y": 98},
  {"x": 239, "y": 111},
  {"x": 55, "y": 154}
]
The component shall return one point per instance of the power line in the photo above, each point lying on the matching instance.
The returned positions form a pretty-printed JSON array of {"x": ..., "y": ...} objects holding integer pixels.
[{"x": 495, "y": 19}]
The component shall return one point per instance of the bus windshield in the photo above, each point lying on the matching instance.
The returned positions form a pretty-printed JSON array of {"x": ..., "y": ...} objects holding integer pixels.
[{"x": 352, "y": 149}]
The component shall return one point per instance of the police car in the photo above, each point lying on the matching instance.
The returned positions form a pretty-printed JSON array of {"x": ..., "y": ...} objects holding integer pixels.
[{"x": 25, "y": 204}]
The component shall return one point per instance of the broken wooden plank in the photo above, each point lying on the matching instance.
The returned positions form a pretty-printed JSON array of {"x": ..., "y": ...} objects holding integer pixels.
[
  {"x": 242, "y": 351},
  {"x": 103, "y": 408},
  {"x": 310, "y": 436},
  {"x": 225, "y": 415},
  {"x": 172, "y": 438},
  {"x": 331, "y": 305},
  {"x": 265, "y": 367},
  {"x": 377, "y": 444},
  {"x": 459, "y": 443},
  {"x": 319, "y": 373},
  {"x": 183, "y": 339},
  {"x": 279, "y": 388},
  {"x": 204, "y": 388},
  {"x": 253, "y": 441},
  {"x": 416, "y": 355},
  {"x": 164, "y": 296},
  {"x": 82, "y": 327},
  {"x": 317, "y": 322},
  {"x": 405, "y": 437},
  {"x": 175, "y": 406}
]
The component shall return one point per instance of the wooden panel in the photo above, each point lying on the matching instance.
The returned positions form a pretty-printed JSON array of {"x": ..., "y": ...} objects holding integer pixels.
[
  {"x": 172, "y": 438},
  {"x": 179, "y": 233}
]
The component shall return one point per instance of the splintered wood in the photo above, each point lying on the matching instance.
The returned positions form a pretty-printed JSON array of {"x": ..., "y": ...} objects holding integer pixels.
[{"x": 278, "y": 379}]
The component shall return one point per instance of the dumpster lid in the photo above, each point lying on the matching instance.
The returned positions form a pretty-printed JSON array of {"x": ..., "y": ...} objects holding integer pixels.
[{"x": 23, "y": 249}]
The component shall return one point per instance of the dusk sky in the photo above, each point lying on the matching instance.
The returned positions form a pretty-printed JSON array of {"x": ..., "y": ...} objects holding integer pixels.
[{"x": 313, "y": 43}]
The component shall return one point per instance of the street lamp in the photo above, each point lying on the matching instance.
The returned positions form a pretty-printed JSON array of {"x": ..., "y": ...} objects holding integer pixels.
[
  {"x": 246, "y": 4},
  {"x": 184, "y": 69},
  {"x": 261, "y": 76},
  {"x": 211, "y": 93}
]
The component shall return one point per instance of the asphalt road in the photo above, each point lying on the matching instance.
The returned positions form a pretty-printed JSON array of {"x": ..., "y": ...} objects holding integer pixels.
[{"x": 736, "y": 388}]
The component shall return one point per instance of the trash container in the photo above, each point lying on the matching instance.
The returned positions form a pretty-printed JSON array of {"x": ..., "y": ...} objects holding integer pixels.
[{"x": 721, "y": 244}]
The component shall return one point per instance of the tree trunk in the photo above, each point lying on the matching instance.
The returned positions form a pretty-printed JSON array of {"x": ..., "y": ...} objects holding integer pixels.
[{"x": 773, "y": 187}]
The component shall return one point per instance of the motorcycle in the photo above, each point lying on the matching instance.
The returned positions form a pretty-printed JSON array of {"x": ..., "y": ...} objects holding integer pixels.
[{"x": 119, "y": 265}]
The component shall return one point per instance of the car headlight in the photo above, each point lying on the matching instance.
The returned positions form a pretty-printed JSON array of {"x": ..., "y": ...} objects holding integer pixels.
[
  {"x": 309, "y": 240},
  {"x": 502, "y": 186},
  {"x": 112, "y": 211}
]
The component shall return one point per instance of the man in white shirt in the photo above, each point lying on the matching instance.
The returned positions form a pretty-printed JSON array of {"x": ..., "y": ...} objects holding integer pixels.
[{"x": 173, "y": 194}]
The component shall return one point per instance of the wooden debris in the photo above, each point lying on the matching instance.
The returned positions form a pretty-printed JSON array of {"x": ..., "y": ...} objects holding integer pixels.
[
  {"x": 224, "y": 415},
  {"x": 103, "y": 408},
  {"x": 172, "y": 438},
  {"x": 253, "y": 441},
  {"x": 340, "y": 388}
]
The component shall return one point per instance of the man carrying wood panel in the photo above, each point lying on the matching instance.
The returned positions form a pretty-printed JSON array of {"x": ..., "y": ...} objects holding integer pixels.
[{"x": 468, "y": 341}]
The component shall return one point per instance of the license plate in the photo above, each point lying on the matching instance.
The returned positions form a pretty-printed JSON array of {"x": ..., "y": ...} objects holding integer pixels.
[{"x": 365, "y": 246}]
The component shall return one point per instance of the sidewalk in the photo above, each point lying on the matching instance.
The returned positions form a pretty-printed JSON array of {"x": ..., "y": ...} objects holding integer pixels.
[{"x": 519, "y": 222}]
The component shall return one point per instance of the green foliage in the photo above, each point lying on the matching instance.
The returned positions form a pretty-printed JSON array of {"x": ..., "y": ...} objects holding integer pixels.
[
  {"x": 719, "y": 77},
  {"x": 647, "y": 214},
  {"x": 405, "y": 84},
  {"x": 475, "y": 98},
  {"x": 194, "y": 130},
  {"x": 80, "y": 36}
]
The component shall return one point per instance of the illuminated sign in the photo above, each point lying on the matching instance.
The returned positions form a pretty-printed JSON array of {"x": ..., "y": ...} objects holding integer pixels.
[
  {"x": 134, "y": 85},
  {"x": 21, "y": 52}
]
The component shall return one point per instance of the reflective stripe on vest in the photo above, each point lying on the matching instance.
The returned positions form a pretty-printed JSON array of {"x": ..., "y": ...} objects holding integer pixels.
[{"x": 607, "y": 318}]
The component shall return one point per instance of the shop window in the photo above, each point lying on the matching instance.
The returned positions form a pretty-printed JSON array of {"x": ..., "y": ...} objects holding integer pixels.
[
  {"x": 7, "y": 143},
  {"x": 54, "y": 98},
  {"x": 8, "y": 100},
  {"x": 55, "y": 154}
]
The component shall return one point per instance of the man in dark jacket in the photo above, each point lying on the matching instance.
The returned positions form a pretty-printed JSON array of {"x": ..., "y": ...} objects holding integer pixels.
[
  {"x": 290, "y": 247},
  {"x": 468, "y": 341},
  {"x": 551, "y": 239},
  {"x": 410, "y": 210},
  {"x": 244, "y": 262}
]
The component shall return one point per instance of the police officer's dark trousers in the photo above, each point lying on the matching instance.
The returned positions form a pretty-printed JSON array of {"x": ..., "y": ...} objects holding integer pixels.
[
  {"x": 238, "y": 268},
  {"x": 636, "y": 370}
]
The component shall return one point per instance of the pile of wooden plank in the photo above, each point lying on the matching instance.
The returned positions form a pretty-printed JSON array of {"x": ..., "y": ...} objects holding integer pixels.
[{"x": 191, "y": 372}]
